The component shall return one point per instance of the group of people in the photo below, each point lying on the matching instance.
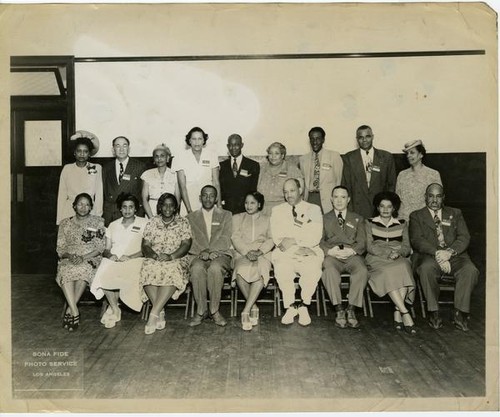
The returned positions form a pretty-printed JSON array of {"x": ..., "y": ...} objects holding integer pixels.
[{"x": 327, "y": 216}]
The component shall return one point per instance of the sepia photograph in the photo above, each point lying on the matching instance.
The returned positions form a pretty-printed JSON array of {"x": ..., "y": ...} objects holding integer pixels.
[{"x": 249, "y": 207}]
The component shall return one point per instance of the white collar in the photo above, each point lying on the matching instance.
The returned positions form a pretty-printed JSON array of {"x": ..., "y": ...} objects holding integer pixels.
[
  {"x": 393, "y": 220},
  {"x": 125, "y": 162},
  {"x": 439, "y": 213},
  {"x": 344, "y": 213}
]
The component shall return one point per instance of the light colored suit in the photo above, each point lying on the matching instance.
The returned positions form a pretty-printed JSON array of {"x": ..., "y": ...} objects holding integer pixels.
[
  {"x": 306, "y": 230},
  {"x": 208, "y": 276},
  {"x": 423, "y": 239},
  {"x": 330, "y": 174}
]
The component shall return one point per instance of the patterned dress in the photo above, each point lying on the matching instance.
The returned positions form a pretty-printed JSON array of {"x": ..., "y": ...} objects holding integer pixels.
[
  {"x": 387, "y": 275},
  {"x": 411, "y": 186},
  {"x": 166, "y": 239},
  {"x": 271, "y": 180},
  {"x": 79, "y": 238}
]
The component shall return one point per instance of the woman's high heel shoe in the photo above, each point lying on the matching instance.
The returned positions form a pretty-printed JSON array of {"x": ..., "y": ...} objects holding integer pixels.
[
  {"x": 245, "y": 321},
  {"x": 66, "y": 320},
  {"x": 410, "y": 329},
  {"x": 398, "y": 321},
  {"x": 74, "y": 323},
  {"x": 150, "y": 327},
  {"x": 254, "y": 315}
]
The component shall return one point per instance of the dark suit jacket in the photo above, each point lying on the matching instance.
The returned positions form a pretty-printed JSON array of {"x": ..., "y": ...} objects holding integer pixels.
[
  {"x": 354, "y": 178},
  {"x": 423, "y": 236},
  {"x": 233, "y": 189},
  {"x": 353, "y": 235},
  {"x": 220, "y": 239},
  {"x": 112, "y": 189}
]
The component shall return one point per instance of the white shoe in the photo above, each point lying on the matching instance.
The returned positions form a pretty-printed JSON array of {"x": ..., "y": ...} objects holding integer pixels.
[
  {"x": 150, "y": 327},
  {"x": 289, "y": 315},
  {"x": 112, "y": 319},
  {"x": 161, "y": 323},
  {"x": 107, "y": 314},
  {"x": 254, "y": 315},
  {"x": 304, "y": 317}
]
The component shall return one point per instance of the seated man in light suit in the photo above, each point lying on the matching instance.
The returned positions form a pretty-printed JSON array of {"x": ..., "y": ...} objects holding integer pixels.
[
  {"x": 211, "y": 228},
  {"x": 344, "y": 242},
  {"x": 440, "y": 238},
  {"x": 296, "y": 230}
]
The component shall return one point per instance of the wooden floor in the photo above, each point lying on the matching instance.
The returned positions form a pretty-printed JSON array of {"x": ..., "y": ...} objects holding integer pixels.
[{"x": 271, "y": 361}]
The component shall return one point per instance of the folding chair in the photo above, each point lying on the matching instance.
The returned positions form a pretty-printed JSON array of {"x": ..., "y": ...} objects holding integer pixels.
[{"x": 344, "y": 286}]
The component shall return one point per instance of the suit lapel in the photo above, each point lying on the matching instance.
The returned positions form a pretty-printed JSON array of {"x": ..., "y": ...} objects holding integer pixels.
[{"x": 200, "y": 223}]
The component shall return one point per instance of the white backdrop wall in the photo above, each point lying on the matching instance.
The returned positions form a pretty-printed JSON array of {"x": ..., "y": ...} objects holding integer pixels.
[
  {"x": 280, "y": 100},
  {"x": 448, "y": 102}
]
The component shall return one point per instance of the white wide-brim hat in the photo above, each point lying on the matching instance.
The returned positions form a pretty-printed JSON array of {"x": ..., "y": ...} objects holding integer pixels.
[{"x": 84, "y": 134}]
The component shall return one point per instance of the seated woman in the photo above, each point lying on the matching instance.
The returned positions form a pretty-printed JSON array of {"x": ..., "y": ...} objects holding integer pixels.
[
  {"x": 80, "y": 242},
  {"x": 118, "y": 274},
  {"x": 165, "y": 245},
  {"x": 252, "y": 243},
  {"x": 388, "y": 246},
  {"x": 159, "y": 180}
]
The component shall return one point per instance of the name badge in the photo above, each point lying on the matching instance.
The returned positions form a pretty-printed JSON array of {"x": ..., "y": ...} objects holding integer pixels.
[
  {"x": 91, "y": 229},
  {"x": 215, "y": 224},
  {"x": 244, "y": 173},
  {"x": 326, "y": 166},
  {"x": 282, "y": 174},
  {"x": 349, "y": 225},
  {"x": 126, "y": 177},
  {"x": 205, "y": 162},
  {"x": 446, "y": 223},
  {"x": 375, "y": 168},
  {"x": 135, "y": 229},
  {"x": 297, "y": 222}
]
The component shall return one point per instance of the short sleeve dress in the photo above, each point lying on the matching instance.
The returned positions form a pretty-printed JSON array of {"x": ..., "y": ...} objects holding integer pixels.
[
  {"x": 198, "y": 173},
  {"x": 411, "y": 186},
  {"x": 271, "y": 180},
  {"x": 122, "y": 276},
  {"x": 386, "y": 275},
  {"x": 79, "y": 238},
  {"x": 166, "y": 239},
  {"x": 159, "y": 184}
]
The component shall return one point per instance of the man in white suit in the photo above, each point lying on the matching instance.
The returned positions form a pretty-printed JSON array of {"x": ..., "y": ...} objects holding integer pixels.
[
  {"x": 322, "y": 170},
  {"x": 296, "y": 227}
]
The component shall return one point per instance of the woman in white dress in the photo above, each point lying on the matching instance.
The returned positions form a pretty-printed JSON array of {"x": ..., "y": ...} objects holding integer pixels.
[
  {"x": 196, "y": 167},
  {"x": 80, "y": 177},
  {"x": 118, "y": 274},
  {"x": 159, "y": 180}
]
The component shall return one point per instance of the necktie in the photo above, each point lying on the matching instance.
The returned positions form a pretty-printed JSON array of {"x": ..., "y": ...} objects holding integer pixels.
[
  {"x": 316, "y": 173},
  {"x": 368, "y": 167},
  {"x": 341, "y": 220},
  {"x": 294, "y": 213},
  {"x": 439, "y": 230},
  {"x": 121, "y": 173},
  {"x": 235, "y": 168}
]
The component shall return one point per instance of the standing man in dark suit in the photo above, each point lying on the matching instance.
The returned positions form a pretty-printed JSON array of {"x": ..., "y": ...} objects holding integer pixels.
[
  {"x": 211, "y": 228},
  {"x": 322, "y": 170},
  {"x": 440, "y": 238},
  {"x": 238, "y": 176},
  {"x": 123, "y": 175},
  {"x": 344, "y": 242},
  {"x": 367, "y": 172}
]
